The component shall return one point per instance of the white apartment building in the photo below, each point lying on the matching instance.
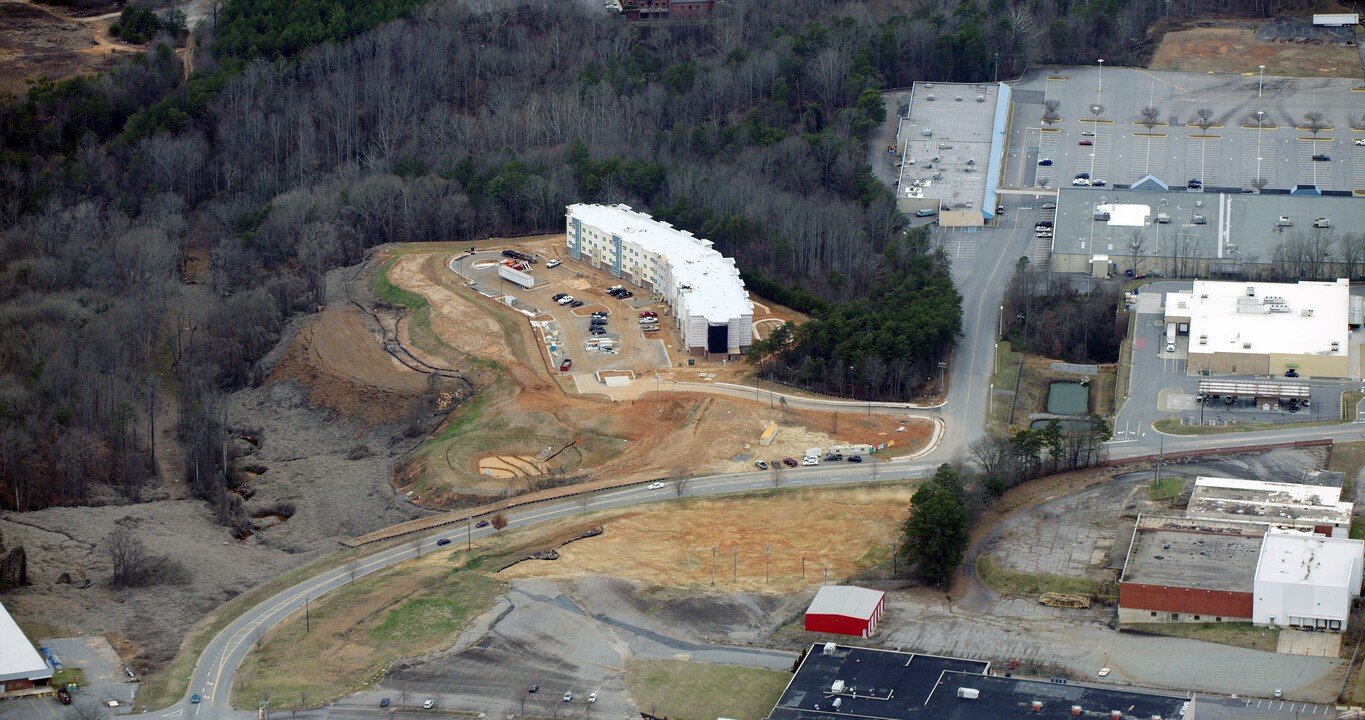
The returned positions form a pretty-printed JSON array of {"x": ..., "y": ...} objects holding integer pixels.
[{"x": 710, "y": 307}]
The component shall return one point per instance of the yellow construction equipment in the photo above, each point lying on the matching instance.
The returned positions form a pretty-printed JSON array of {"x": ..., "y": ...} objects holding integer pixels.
[{"x": 1077, "y": 602}]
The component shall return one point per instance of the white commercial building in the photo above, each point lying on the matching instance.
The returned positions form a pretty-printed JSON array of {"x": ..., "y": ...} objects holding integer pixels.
[
  {"x": 1260, "y": 328},
  {"x": 1305, "y": 580},
  {"x": 21, "y": 667},
  {"x": 1317, "y": 508},
  {"x": 711, "y": 308}
]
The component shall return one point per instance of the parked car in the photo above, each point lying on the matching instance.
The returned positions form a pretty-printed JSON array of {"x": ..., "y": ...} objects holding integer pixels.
[
  {"x": 761, "y": 465},
  {"x": 592, "y": 697},
  {"x": 576, "y": 303},
  {"x": 926, "y": 212},
  {"x": 1045, "y": 162},
  {"x": 383, "y": 702},
  {"x": 482, "y": 524},
  {"x": 1322, "y": 158},
  {"x": 999, "y": 209},
  {"x": 429, "y": 704},
  {"x": 1043, "y": 224},
  {"x": 810, "y": 460},
  {"x": 650, "y": 328},
  {"x": 1088, "y": 133},
  {"x": 855, "y": 458},
  {"x": 534, "y": 688},
  {"x": 625, "y": 294},
  {"x": 597, "y": 330},
  {"x": 649, "y": 313},
  {"x": 565, "y": 300},
  {"x": 1291, "y": 372},
  {"x": 1085, "y": 175},
  {"x": 566, "y": 364},
  {"x": 442, "y": 541},
  {"x": 789, "y": 462},
  {"x": 1097, "y": 183},
  {"x": 1359, "y": 142},
  {"x": 1193, "y": 184},
  {"x": 1080, "y": 182},
  {"x": 558, "y": 296},
  {"x": 596, "y": 321},
  {"x": 656, "y": 486},
  {"x": 552, "y": 263},
  {"x": 1049, "y": 206},
  {"x": 834, "y": 457},
  {"x": 568, "y": 696},
  {"x": 1086, "y": 142}
]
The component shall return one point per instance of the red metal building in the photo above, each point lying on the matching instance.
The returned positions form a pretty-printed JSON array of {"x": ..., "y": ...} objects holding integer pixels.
[{"x": 846, "y": 610}]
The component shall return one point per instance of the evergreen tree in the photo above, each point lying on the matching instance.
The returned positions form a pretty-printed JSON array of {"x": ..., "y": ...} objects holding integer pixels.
[{"x": 937, "y": 533}]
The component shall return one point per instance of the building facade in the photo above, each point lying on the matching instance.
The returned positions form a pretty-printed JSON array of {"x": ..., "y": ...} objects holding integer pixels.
[
  {"x": 21, "y": 667},
  {"x": 707, "y": 301},
  {"x": 1307, "y": 581},
  {"x": 846, "y": 610}
]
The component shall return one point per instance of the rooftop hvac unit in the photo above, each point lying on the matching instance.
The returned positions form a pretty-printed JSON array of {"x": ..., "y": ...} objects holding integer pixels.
[
  {"x": 838, "y": 702},
  {"x": 1075, "y": 711},
  {"x": 1335, "y": 346},
  {"x": 1246, "y": 346},
  {"x": 1203, "y": 339},
  {"x": 837, "y": 687},
  {"x": 1036, "y": 706},
  {"x": 968, "y": 693},
  {"x": 928, "y": 85},
  {"x": 958, "y": 98},
  {"x": 1115, "y": 715},
  {"x": 981, "y": 98},
  {"x": 1251, "y": 291},
  {"x": 1306, "y": 312},
  {"x": 930, "y": 98},
  {"x": 830, "y": 648}
]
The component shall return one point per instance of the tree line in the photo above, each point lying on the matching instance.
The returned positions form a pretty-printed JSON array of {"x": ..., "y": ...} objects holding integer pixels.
[{"x": 1045, "y": 314}]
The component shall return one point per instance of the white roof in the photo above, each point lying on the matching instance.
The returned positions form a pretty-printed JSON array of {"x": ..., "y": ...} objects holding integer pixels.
[
  {"x": 1126, "y": 214},
  {"x": 1289, "y": 556},
  {"x": 18, "y": 659},
  {"x": 1285, "y": 493},
  {"x": 1293, "y": 318},
  {"x": 845, "y": 600},
  {"x": 716, "y": 291}
]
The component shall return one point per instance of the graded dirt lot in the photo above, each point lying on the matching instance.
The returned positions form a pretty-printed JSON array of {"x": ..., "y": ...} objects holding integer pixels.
[
  {"x": 37, "y": 41},
  {"x": 528, "y": 410},
  {"x": 1236, "y": 50}
]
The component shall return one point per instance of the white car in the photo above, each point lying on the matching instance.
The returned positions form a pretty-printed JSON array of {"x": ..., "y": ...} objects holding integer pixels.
[
  {"x": 808, "y": 460},
  {"x": 565, "y": 300},
  {"x": 1088, "y": 133},
  {"x": 1080, "y": 182},
  {"x": 428, "y": 704},
  {"x": 1104, "y": 672},
  {"x": 568, "y": 696},
  {"x": 552, "y": 263},
  {"x": 592, "y": 697},
  {"x": 656, "y": 486},
  {"x": 1360, "y": 142}
]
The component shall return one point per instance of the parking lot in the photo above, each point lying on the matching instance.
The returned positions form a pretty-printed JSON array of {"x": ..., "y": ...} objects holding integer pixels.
[
  {"x": 1254, "y": 130},
  {"x": 622, "y": 343}
]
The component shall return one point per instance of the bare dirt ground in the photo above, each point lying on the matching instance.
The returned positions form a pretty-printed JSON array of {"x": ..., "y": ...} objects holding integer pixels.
[
  {"x": 1236, "y": 50},
  {"x": 585, "y": 437},
  {"x": 37, "y": 41}
]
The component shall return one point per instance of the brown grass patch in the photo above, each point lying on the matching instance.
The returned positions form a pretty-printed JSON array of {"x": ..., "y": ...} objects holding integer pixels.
[{"x": 1236, "y": 51}]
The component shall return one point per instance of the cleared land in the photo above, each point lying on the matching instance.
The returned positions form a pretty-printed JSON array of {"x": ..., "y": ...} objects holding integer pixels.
[
  {"x": 1236, "y": 50},
  {"x": 688, "y": 690},
  {"x": 40, "y": 42},
  {"x": 418, "y": 607},
  {"x": 1237, "y": 634}
]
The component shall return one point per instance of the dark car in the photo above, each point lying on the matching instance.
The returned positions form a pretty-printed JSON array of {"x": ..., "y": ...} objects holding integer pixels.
[
  {"x": 1291, "y": 372},
  {"x": 534, "y": 688},
  {"x": 1194, "y": 184},
  {"x": 834, "y": 457},
  {"x": 557, "y": 296},
  {"x": 595, "y": 322},
  {"x": 1322, "y": 158},
  {"x": 482, "y": 523},
  {"x": 597, "y": 330},
  {"x": 1045, "y": 162},
  {"x": 625, "y": 294},
  {"x": 443, "y": 541},
  {"x": 599, "y": 314},
  {"x": 565, "y": 365},
  {"x": 1086, "y": 142},
  {"x": 1096, "y": 183},
  {"x": 789, "y": 462},
  {"x": 576, "y": 303},
  {"x": 1082, "y": 176},
  {"x": 855, "y": 458},
  {"x": 195, "y": 698},
  {"x": 383, "y": 702},
  {"x": 509, "y": 253}
]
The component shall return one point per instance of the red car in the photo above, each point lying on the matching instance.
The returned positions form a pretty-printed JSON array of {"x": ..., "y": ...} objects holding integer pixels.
[
  {"x": 789, "y": 462},
  {"x": 649, "y": 313},
  {"x": 1087, "y": 142},
  {"x": 564, "y": 366}
]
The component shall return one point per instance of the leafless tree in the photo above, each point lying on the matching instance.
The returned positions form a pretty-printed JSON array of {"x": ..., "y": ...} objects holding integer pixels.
[
  {"x": 352, "y": 566},
  {"x": 680, "y": 485},
  {"x": 1151, "y": 117},
  {"x": 1203, "y": 119},
  {"x": 86, "y": 710},
  {"x": 1315, "y": 122},
  {"x": 1352, "y": 253},
  {"x": 499, "y": 521},
  {"x": 1097, "y": 110},
  {"x": 1050, "y": 108},
  {"x": 129, "y": 558},
  {"x": 584, "y": 500},
  {"x": 1136, "y": 241},
  {"x": 775, "y": 471},
  {"x": 1259, "y": 183},
  {"x": 1260, "y": 119}
]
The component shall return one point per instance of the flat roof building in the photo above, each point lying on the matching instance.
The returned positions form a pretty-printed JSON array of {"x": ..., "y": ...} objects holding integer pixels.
[
  {"x": 952, "y": 145},
  {"x": 836, "y": 681},
  {"x": 1312, "y": 507},
  {"x": 1307, "y": 581},
  {"x": 21, "y": 667},
  {"x": 1265, "y": 328},
  {"x": 845, "y": 610},
  {"x": 1181, "y": 570},
  {"x": 710, "y": 307}
]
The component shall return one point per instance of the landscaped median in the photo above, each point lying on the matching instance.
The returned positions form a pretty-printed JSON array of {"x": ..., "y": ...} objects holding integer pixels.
[{"x": 1349, "y": 400}]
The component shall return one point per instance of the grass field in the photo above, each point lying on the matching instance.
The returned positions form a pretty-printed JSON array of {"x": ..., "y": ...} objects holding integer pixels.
[
  {"x": 1165, "y": 489},
  {"x": 68, "y": 676},
  {"x": 1236, "y": 634},
  {"x": 1031, "y": 584},
  {"x": 1172, "y": 426},
  {"x": 1236, "y": 50},
  {"x": 353, "y": 633},
  {"x": 682, "y": 690}
]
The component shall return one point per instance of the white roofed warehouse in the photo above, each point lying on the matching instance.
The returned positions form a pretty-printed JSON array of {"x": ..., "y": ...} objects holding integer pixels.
[
  {"x": 710, "y": 307},
  {"x": 846, "y": 610},
  {"x": 21, "y": 667},
  {"x": 1306, "y": 580},
  {"x": 1263, "y": 328}
]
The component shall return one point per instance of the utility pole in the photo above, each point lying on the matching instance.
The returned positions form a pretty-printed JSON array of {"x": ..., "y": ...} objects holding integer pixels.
[
  {"x": 734, "y": 566},
  {"x": 713, "y": 566},
  {"x": 306, "y": 626},
  {"x": 767, "y": 553}
]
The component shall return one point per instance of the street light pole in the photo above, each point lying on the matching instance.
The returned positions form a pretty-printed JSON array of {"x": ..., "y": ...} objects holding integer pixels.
[
  {"x": 1101, "y": 83},
  {"x": 1260, "y": 84}
]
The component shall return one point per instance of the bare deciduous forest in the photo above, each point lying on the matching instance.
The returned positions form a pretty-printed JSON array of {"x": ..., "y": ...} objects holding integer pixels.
[{"x": 160, "y": 231}]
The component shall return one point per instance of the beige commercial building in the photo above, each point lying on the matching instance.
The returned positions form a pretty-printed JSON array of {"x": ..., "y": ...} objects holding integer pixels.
[{"x": 1261, "y": 328}]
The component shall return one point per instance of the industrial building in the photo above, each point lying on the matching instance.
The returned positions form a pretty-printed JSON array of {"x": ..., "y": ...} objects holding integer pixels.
[
  {"x": 1205, "y": 568},
  {"x": 702, "y": 288},
  {"x": 1257, "y": 328},
  {"x": 1314, "y": 508},
  {"x": 837, "y": 681},
  {"x": 1152, "y": 228},
  {"x": 952, "y": 146},
  {"x": 21, "y": 667},
  {"x": 845, "y": 610},
  {"x": 1306, "y": 581}
]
